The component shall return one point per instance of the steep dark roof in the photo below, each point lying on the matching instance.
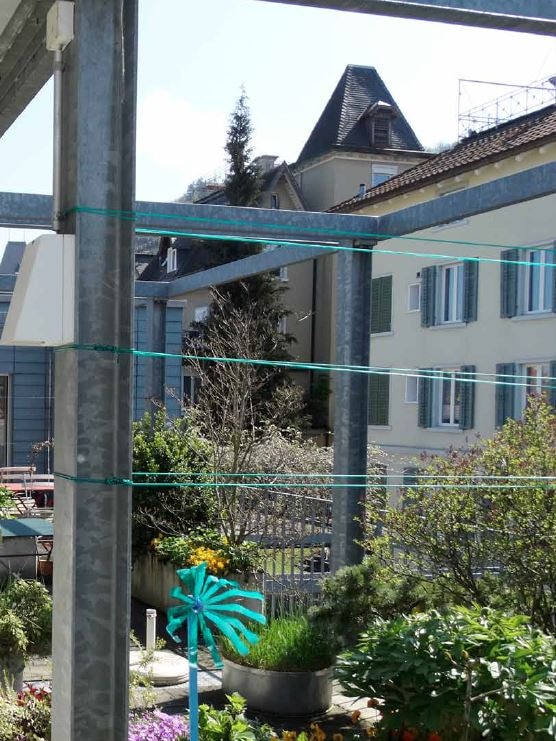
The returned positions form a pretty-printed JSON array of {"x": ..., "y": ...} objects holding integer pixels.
[
  {"x": 218, "y": 197},
  {"x": 192, "y": 256},
  {"x": 340, "y": 124},
  {"x": 11, "y": 260},
  {"x": 512, "y": 137}
]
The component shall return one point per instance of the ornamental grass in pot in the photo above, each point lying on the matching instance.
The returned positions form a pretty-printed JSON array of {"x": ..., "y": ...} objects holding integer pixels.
[{"x": 288, "y": 672}]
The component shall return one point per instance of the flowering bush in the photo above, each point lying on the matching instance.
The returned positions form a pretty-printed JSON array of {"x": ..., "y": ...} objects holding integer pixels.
[
  {"x": 157, "y": 726},
  {"x": 25, "y": 716},
  {"x": 221, "y": 556},
  {"x": 470, "y": 674}
]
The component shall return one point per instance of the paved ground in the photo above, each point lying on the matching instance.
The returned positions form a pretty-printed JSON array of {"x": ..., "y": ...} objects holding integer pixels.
[{"x": 174, "y": 699}]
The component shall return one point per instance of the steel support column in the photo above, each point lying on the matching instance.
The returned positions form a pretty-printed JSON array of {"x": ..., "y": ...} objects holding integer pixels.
[
  {"x": 351, "y": 397},
  {"x": 93, "y": 389},
  {"x": 156, "y": 342}
]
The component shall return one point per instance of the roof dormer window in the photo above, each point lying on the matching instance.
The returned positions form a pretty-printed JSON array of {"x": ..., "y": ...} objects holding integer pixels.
[
  {"x": 378, "y": 118},
  {"x": 171, "y": 260},
  {"x": 381, "y": 131}
]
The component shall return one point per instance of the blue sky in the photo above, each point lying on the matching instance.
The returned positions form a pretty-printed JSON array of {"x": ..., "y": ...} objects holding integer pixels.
[{"x": 196, "y": 54}]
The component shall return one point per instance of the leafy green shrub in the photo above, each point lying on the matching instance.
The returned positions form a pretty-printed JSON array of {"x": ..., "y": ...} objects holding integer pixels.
[
  {"x": 356, "y": 595},
  {"x": 169, "y": 446},
  {"x": 29, "y": 603},
  {"x": 207, "y": 545},
  {"x": 287, "y": 644},
  {"x": 470, "y": 674},
  {"x": 25, "y": 716}
]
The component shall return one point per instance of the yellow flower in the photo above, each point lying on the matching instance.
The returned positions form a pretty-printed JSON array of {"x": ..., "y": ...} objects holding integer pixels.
[
  {"x": 289, "y": 736},
  {"x": 338, "y": 737},
  {"x": 355, "y": 716}
]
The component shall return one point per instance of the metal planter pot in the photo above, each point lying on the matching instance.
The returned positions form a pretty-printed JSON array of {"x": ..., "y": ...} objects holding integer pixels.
[{"x": 279, "y": 693}]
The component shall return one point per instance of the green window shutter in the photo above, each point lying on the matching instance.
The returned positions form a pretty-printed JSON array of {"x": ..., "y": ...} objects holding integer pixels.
[
  {"x": 553, "y": 261},
  {"x": 379, "y": 399},
  {"x": 470, "y": 290},
  {"x": 467, "y": 416},
  {"x": 428, "y": 296},
  {"x": 381, "y": 304},
  {"x": 425, "y": 400},
  {"x": 508, "y": 284},
  {"x": 552, "y": 389},
  {"x": 505, "y": 395}
]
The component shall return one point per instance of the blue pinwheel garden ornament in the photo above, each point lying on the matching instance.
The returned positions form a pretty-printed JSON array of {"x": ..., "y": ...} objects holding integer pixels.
[{"x": 209, "y": 600}]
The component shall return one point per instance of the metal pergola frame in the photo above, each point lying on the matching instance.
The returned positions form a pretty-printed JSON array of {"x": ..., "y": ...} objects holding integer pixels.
[{"x": 93, "y": 390}]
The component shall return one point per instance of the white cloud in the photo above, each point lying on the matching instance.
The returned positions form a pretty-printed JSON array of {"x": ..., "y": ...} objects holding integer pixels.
[{"x": 176, "y": 143}]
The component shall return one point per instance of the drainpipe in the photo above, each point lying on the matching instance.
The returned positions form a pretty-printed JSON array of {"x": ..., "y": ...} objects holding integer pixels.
[{"x": 57, "y": 216}]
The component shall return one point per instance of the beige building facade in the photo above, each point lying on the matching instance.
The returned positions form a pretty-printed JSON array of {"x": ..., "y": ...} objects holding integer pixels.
[{"x": 465, "y": 340}]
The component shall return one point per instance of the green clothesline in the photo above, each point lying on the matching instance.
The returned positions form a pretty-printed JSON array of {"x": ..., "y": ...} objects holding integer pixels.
[
  {"x": 337, "y": 233},
  {"x": 433, "y": 374},
  {"x": 227, "y": 474}
]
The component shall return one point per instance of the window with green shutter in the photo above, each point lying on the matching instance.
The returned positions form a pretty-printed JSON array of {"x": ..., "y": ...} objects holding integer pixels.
[
  {"x": 381, "y": 304},
  {"x": 379, "y": 399},
  {"x": 505, "y": 393}
]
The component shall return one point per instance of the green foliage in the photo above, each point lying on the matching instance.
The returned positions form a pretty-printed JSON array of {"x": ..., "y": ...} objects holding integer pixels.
[
  {"x": 229, "y": 724},
  {"x": 169, "y": 445},
  {"x": 287, "y": 644},
  {"x": 25, "y": 716},
  {"x": 243, "y": 182},
  {"x": 25, "y": 607},
  {"x": 222, "y": 555},
  {"x": 356, "y": 595},
  {"x": 6, "y": 501},
  {"x": 485, "y": 540},
  {"x": 469, "y": 674}
]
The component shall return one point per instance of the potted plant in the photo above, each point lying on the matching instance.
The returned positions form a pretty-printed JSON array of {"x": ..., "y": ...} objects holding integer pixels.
[
  {"x": 25, "y": 627},
  {"x": 288, "y": 672}
]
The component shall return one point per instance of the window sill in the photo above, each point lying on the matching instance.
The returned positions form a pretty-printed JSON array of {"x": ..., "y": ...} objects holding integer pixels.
[
  {"x": 380, "y": 427},
  {"x": 533, "y": 315},
  {"x": 405, "y": 401},
  {"x": 382, "y": 334},
  {"x": 448, "y": 429},
  {"x": 448, "y": 325}
]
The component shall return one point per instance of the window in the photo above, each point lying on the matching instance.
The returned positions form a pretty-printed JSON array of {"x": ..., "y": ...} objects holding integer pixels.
[
  {"x": 4, "y": 420},
  {"x": 172, "y": 260},
  {"x": 512, "y": 393},
  {"x": 451, "y": 294},
  {"x": 411, "y": 389},
  {"x": 283, "y": 324},
  {"x": 381, "y": 173},
  {"x": 381, "y": 131},
  {"x": 274, "y": 200},
  {"x": 448, "y": 390},
  {"x": 531, "y": 288},
  {"x": 381, "y": 305},
  {"x": 379, "y": 399},
  {"x": 201, "y": 313},
  {"x": 283, "y": 275},
  {"x": 190, "y": 392},
  {"x": 446, "y": 397},
  {"x": 414, "y": 297},
  {"x": 537, "y": 283}
]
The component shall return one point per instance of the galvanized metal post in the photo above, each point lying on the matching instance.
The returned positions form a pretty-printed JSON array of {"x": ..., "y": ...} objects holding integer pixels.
[
  {"x": 351, "y": 398},
  {"x": 156, "y": 335},
  {"x": 93, "y": 389}
]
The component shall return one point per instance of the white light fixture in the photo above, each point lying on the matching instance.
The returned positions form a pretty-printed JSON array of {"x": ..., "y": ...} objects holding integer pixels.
[{"x": 41, "y": 312}]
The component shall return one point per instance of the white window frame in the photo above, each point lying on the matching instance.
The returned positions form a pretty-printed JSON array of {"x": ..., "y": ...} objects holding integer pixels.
[
  {"x": 274, "y": 200},
  {"x": 545, "y": 298},
  {"x": 200, "y": 313},
  {"x": 412, "y": 389},
  {"x": 418, "y": 287},
  {"x": 451, "y": 277},
  {"x": 542, "y": 370},
  {"x": 439, "y": 397},
  {"x": 382, "y": 169},
  {"x": 171, "y": 260},
  {"x": 283, "y": 274},
  {"x": 283, "y": 324}
]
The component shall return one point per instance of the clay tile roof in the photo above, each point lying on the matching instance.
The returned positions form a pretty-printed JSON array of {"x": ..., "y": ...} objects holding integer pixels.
[{"x": 520, "y": 134}]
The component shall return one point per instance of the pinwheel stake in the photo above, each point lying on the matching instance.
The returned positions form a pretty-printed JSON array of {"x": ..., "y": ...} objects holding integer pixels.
[{"x": 209, "y": 599}]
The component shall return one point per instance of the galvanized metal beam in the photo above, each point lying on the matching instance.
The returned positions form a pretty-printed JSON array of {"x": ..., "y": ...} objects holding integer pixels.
[
  {"x": 527, "y": 16},
  {"x": 25, "y": 64},
  {"x": 248, "y": 266},
  {"x": 351, "y": 401},
  {"x": 93, "y": 389}
]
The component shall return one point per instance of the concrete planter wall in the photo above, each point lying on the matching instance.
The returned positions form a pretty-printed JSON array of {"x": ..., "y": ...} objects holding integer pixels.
[
  {"x": 281, "y": 693},
  {"x": 152, "y": 579},
  {"x": 11, "y": 672}
]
